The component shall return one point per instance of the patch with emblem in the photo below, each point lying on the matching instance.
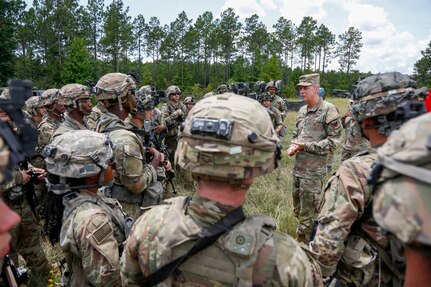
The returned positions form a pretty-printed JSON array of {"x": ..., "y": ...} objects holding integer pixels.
[
  {"x": 102, "y": 233},
  {"x": 335, "y": 124},
  {"x": 240, "y": 243}
]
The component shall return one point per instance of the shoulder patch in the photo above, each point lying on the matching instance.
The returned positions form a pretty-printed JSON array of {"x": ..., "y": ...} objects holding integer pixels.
[
  {"x": 103, "y": 232},
  {"x": 335, "y": 124}
]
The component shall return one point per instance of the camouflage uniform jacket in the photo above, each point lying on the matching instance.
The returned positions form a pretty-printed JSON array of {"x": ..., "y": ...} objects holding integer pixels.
[
  {"x": 47, "y": 127},
  {"x": 129, "y": 155},
  {"x": 252, "y": 253},
  {"x": 320, "y": 129},
  {"x": 69, "y": 124},
  {"x": 172, "y": 119},
  {"x": 279, "y": 103},
  {"x": 90, "y": 239},
  {"x": 92, "y": 118},
  {"x": 275, "y": 116},
  {"x": 340, "y": 245},
  {"x": 355, "y": 142}
]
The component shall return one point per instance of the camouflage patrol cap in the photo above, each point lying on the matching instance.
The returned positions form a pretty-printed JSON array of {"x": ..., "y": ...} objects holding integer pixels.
[
  {"x": 144, "y": 91},
  {"x": 49, "y": 97},
  {"x": 309, "y": 80},
  {"x": 381, "y": 94},
  {"x": 222, "y": 89},
  {"x": 227, "y": 137},
  {"x": 189, "y": 100},
  {"x": 69, "y": 93},
  {"x": 403, "y": 198},
  {"x": 114, "y": 85},
  {"x": 78, "y": 154},
  {"x": 172, "y": 90},
  {"x": 33, "y": 103}
]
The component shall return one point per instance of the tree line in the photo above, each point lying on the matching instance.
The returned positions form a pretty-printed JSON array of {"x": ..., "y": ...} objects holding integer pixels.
[{"x": 55, "y": 42}]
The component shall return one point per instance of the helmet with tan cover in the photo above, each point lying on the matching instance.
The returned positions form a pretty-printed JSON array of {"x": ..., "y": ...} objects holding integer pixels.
[
  {"x": 33, "y": 103},
  {"x": 78, "y": 154},
  {"x": 402, "y": 205},
  {"x": 49, "y": 97},
  {"x": 227, "y": 137},
  {"x": 114, "y": 85},
  {"x": 70, "y": 93},
  {"x": 173, "y": 90}
]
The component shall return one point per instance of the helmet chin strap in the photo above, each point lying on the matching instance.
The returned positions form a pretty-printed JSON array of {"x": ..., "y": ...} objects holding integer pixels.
[{"x": 81, "y": 109}]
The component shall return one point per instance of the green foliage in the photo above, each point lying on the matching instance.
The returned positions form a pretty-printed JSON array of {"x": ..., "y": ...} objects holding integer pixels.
[
  {"x": 197, "y": 91},
  {"x": 77, "y": 64},
  {"x": 272, "y": 70},
  {"x": 422, "y": 69}
]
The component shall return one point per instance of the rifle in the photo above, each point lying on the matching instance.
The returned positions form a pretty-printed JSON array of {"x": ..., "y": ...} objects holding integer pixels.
[
  {"x": 12, "y": 276},
  {"x": 30, "y": 193},
  {"x": 22, "y": 143},
  {"x": 151, "y": 139}
]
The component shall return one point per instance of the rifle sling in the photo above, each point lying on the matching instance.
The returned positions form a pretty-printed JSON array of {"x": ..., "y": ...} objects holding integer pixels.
[{"x": 208, "y": 237}]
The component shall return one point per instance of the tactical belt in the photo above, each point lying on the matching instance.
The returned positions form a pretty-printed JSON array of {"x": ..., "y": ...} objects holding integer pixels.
[
  {"x": 207, "y": 237},
  {"x": 123, "y": 194}
]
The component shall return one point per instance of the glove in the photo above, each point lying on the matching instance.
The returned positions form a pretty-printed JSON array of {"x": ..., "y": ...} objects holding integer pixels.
[{"x": 178, "y": 113}]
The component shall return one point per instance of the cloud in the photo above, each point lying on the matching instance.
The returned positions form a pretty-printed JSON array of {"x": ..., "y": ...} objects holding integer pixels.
[{"x": 246, "y": 8}]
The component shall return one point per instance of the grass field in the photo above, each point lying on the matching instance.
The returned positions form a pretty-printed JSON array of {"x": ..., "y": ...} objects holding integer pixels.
[{"x": 270, "y": 194}]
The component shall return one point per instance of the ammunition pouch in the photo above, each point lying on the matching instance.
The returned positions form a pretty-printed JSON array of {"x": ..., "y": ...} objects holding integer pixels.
[{"x": 121, "y": 193}]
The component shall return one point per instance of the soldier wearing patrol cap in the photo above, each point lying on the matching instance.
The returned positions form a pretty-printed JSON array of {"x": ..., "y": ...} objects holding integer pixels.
[
  {"x": 402, "y": 206},
  {"x": 174, "y": 113},
  {"x": 317, "y": 133},
  {"x": 76, "y": 99},
  {"x": 224, "y": 147},
  {"x": 347, "y": 244},
  {"x": 89, "y": 227},
  {"x": 116, "y": 92}
]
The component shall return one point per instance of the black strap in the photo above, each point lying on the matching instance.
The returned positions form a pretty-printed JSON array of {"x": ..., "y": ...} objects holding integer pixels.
[{"x": 208, "y": 237}]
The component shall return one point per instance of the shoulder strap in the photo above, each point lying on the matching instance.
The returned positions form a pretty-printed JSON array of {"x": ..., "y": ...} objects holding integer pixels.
[{"x": 208, "y": 237}]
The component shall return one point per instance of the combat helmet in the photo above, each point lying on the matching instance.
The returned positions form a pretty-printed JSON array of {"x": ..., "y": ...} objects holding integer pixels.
[
  {"x": 271, "y": 84},
  {"x": 189, "y": 100},
  {"x": 380, "y": 95},
  {"x": 33, "y": 103},
  {"x": 49, "y": 97},
  {"x": 144, "y": 91},
  {"x": 173, "y": 90},
  {"x": 227, "y": 137},
  {"x": 265, "y": 96},
  {"x": 114, "y": 86},
  {"x": 403, "y": 182},
  {"x": 222, "y": 89},
  {"x": 76, "y": 154},
  {"x": 70, "y": 93},
  {"x": 144, "y": 103}
]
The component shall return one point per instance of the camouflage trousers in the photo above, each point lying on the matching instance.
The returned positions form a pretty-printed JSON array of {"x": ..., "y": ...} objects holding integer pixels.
[
  {"x": 26, "y": 241},
  {"x": 306, "y": 195}
]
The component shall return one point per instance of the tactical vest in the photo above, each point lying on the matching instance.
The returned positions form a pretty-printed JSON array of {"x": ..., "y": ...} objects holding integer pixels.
[{"x": 229, "y": 261}]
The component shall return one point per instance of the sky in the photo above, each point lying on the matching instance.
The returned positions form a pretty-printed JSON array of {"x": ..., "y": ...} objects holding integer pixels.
[{"x": 394, "y": 32}]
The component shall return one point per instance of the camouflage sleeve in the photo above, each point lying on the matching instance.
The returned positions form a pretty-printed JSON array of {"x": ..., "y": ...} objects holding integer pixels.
[
  {"x": 133, "y": 172},
  {"x": 45, "y": 135},
  {"x": 136, "y": 260},
  {"x": 333, "y": 137},
  {"x": 99, "y": 250},
  {"x": 278, "y": 118},
  {"x": 16, "y": 180},
  {"x": 343, "y": 203},
  {"x": 170, "y": 118},
  {"x": 295, "y": 132},
  {"x": 292, "y": 265}
]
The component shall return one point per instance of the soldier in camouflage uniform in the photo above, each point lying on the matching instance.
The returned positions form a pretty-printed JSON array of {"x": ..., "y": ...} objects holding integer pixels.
[
  {"x": 189, "y": 102},
  {"x": 133, "y": 176},
  {"x": 157, "y": 118},
  {"x": 76, "y": 99},
  {"x": 174, "y": 112},
  {"x": 143, "y": 115},
  {"x": 223, "y": 157},
  {"x": 52, "y": 119},
  {"x": 25, "y": 235},
  {"x": 95, "y": 114},
  {"x": 275, "y": 115},
  {"x": 355, "y": 141},
  {"x": 89, "y": 227},
  {"x": 223, "y": 89},
  {"x": 34, "y": 107},
  {"x": 402, "y": 205},
  {"x": 317, "y": 133},
  {"x": 347, "y": 243},
  {"x": 277, "y": 101}
]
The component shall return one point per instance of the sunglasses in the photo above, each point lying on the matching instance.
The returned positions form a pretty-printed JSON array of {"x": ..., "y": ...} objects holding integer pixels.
[{"x": 175, "y": 94}]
